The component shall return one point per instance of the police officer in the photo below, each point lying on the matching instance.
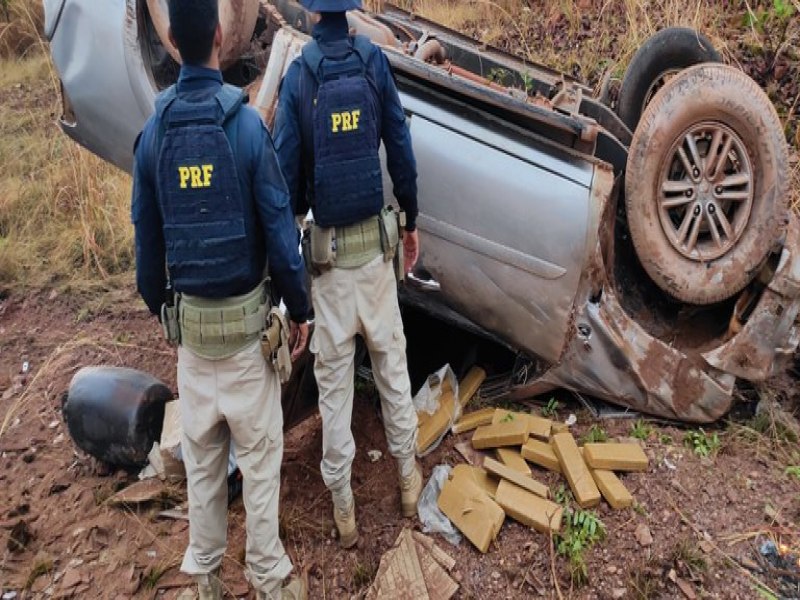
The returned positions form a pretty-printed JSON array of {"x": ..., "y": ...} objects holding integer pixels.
[
  {"x": 337, "y": 102},
  {"x": 210, "y": 209}
]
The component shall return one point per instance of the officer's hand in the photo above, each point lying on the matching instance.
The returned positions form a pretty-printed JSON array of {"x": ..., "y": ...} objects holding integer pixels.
[
  {"x": 298, "y": 336},
  {"x": 410, "y": 249}
]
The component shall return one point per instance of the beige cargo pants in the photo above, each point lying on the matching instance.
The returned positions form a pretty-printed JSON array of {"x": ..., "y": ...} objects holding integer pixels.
[
  {"x": 238, "y": 400},
  {"x": 348, "y": 302}
]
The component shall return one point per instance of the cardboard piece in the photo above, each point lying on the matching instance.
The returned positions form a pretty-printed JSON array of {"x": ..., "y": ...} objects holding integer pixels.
[
  {"x": 397, "y": 574},
  {"x": 140, "y": 492},
  {"x": 170, "y": 444},
  {"x": 400, "y": 572}
]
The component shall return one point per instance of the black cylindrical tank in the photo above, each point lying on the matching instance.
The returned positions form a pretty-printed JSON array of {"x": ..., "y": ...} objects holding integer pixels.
[{"x": 115, "y": 414}]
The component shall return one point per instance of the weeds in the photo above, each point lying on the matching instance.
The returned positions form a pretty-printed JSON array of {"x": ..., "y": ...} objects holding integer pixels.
[
  {"x": 778, "y": 12},
  {"x": 793, "y": 471},
  {"x": 686, "y": 555},
  {"x": 595, "y": 434},
  {"x": 644, "y": 581},
  {"x": 581, "y": 529},
  {"x": 41, "y": 566},
  {"x": 550, "y": 410},
  {"x": 507, "y": 418},
  {"x": 641, "y": 430},
  {"x": 563, "y": 495},
  {"x": 154, "y": 574},
  {"x": 364, "y": 573},
  {"x": 701, "y": 443},
  {"x": 772, "y": 423}
]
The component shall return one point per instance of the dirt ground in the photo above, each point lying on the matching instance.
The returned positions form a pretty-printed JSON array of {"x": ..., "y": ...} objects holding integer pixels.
[{"x": 706, "y": 516}]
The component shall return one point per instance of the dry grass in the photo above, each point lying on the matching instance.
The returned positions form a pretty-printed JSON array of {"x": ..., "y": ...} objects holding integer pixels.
[
  {"x": 574, "y": 36},
  {"x": 64, "y": 214},
  {"x": 21, "y": 21}
]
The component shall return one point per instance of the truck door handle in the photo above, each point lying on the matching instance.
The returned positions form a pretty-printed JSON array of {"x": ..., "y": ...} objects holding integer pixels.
[{"x": 426, "y": 284}]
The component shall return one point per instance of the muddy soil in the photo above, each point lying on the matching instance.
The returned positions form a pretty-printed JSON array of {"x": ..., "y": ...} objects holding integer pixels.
[{"x": 705, "y": 516}]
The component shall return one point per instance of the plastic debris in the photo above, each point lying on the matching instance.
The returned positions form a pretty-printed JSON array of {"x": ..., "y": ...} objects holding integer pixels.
[{"x": 433, "y": 520}]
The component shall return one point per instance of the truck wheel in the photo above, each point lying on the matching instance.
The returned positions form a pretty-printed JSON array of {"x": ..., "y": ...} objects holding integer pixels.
[
  {"x": 707, "y": 184},
  {"x": 660, "y": 58}
]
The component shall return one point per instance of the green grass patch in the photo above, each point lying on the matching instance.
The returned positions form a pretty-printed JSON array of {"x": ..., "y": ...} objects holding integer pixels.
[
  {"x": 701, "y": 443},
  {"x": 580, "y": 530}
]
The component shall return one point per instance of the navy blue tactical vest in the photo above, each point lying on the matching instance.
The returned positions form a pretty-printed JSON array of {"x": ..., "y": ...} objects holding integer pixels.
[
  {"x": 199, "y": 195},
  {"x": 345, "y": 121}
]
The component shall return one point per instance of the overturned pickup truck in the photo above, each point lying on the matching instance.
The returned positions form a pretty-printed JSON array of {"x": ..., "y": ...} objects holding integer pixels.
[{"x": 644, "y": 255}]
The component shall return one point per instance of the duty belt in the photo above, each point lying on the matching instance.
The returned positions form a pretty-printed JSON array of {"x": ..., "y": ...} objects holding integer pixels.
[
  {"x": 358, "y": 244},
  {"x": 218, "y": 328}
]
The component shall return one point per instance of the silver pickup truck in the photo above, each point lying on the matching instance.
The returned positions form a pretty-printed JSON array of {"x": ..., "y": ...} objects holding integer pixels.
[{"x": 644, "y": 254}]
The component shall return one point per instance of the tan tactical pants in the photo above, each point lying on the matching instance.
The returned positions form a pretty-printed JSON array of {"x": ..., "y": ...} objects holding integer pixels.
[
  {"x": 348, "y": 302},
  {"x": 234, "y": 399}
]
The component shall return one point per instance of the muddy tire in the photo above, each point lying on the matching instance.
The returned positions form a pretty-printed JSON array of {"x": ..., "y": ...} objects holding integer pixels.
[
  {"x": 662, "y": 56},
  {"x": 707, "y": 184}
]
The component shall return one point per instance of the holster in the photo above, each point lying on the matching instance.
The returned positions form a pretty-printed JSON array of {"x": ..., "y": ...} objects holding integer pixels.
[
  {"x": 305, "y": 245},
  {"x": 391, "y": 223},
  {"x": 275, "y": 344},
  {"x": 323, "y": 247},
  {"x": 169, "y": 323}
]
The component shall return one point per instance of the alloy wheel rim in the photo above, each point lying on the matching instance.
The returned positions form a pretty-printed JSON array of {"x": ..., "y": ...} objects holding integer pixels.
[{"x": 705, "y": 193}]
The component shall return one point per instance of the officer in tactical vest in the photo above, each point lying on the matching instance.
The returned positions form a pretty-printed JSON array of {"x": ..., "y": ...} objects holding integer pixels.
[
  {"x": 210, "y": 210},
  {"x": 337, "y": 102}
]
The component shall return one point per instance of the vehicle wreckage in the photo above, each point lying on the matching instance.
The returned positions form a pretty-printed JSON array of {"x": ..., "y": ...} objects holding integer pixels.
[{"x": 644, "y": 255}]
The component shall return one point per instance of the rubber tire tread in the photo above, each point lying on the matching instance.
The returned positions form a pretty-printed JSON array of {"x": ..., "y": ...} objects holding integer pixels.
[
  {"x": 701, "y": 93},
  {"x": 671, "y": 48}
]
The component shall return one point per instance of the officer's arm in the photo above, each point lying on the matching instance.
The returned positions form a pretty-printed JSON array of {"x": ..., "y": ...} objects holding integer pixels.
[
  {"x": 272, "y": 199},
  {"x": 287, "y": 134},
  {"x": 148, "y": 230},
  {"x": 397, "y": 141}
]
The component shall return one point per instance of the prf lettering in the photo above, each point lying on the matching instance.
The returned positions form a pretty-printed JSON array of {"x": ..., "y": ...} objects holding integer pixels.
[
  {"x": 345, "y": 121},
  {"x": 195, "y": 176}
]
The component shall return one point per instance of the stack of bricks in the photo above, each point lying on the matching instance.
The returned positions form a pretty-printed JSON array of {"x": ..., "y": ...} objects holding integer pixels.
[{"x": 478, "y": 498}]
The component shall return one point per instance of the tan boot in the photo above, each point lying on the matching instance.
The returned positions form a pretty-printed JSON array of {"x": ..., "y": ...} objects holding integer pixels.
[
  {"x": 209, "y": 587},
  {"x": 296, "y": 589},
  {"x": 346, "y": 524},
  {"x": 410, "y": 489}
]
